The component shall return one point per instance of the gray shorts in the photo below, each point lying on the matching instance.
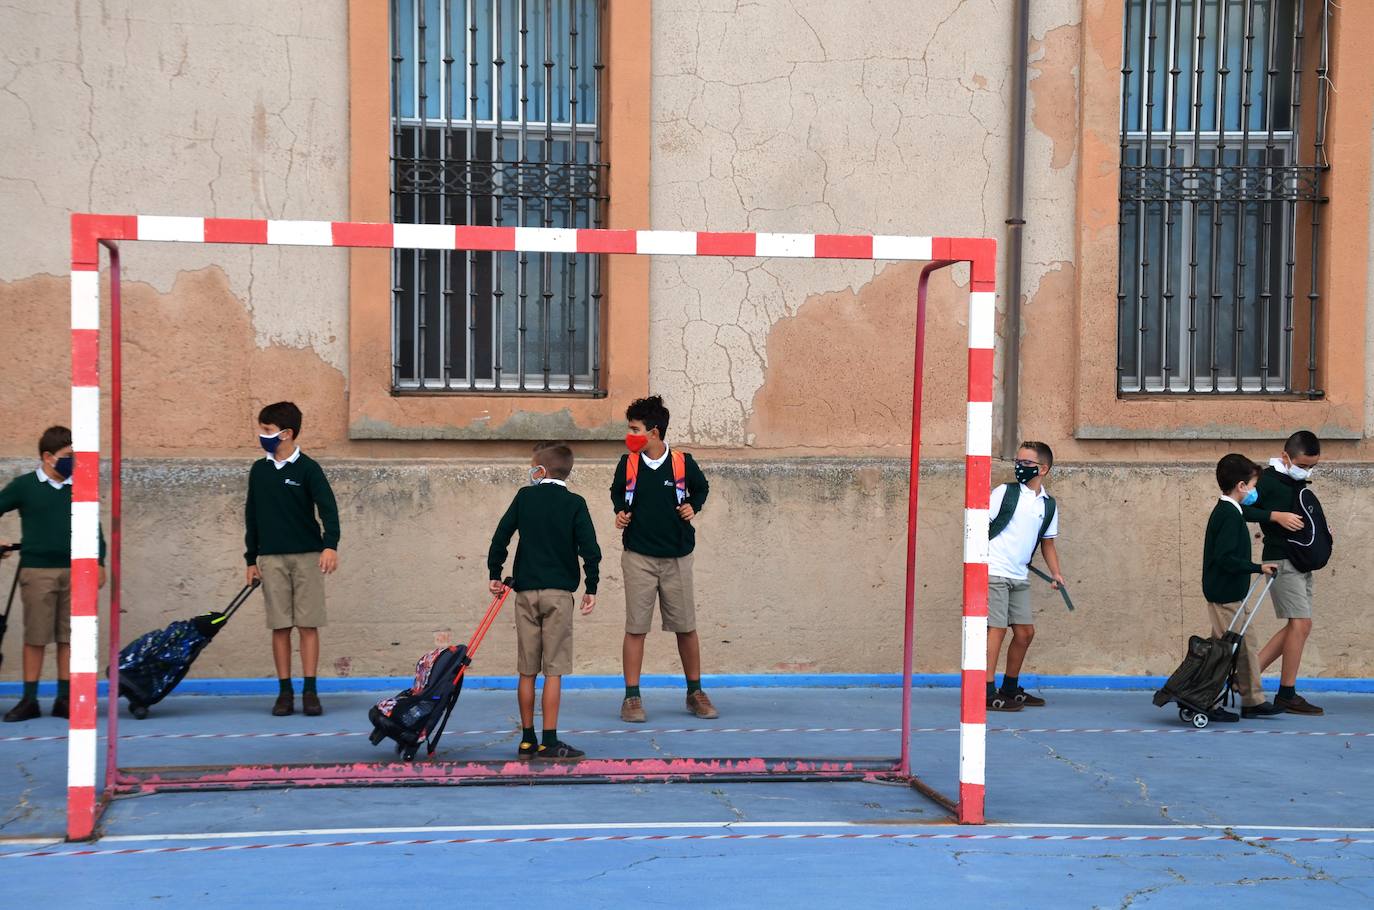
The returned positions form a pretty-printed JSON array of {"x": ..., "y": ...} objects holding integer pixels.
[
  {"x": 1009, "y": 602},
  {"x": 1292, "y": 592}
]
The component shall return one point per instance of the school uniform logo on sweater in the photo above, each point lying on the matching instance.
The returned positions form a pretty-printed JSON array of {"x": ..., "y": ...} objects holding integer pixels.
[{"x": 292, "y": 483}]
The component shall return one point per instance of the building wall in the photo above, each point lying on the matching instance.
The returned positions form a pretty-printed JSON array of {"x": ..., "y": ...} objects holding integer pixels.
[{"x": 791, "y": 380}]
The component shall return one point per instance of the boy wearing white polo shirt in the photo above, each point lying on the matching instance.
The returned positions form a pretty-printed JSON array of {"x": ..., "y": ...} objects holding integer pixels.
[{"x": 1022, "y": 517}]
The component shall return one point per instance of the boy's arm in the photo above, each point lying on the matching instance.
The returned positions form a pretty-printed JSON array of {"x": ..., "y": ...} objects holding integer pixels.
[
  {"x": 250, "y": 526},
  {"x": 1052, "y": 560},
  {"x": 697, "y": 487},
  {"x": 618, "y": 485},
  {"x": 500, "y": 541},
  {"x": 585, "y": 533},
  {"x": 323, "y": 496},
  {"x": 9, "y": 497}
]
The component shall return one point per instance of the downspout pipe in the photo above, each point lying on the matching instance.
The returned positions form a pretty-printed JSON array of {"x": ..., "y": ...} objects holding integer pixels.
[{"x": 1016, "y": 223}]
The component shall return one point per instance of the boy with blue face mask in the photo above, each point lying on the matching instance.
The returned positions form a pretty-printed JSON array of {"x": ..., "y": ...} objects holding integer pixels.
[
  {"x": 1275, "y": 510},
  {"x": 286, "y": 549},
  {"x": 1226, "y": 571},
  {"x": 43, "y": 499}
]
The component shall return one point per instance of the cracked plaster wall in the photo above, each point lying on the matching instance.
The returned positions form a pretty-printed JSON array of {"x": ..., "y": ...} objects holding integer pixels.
[
  {"x": 803, "y": 115},
  {"x": 175, "y": 107}
]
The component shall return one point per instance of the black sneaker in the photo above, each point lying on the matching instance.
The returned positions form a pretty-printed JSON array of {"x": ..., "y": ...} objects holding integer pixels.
[
  {"x": 559, "y": 751},
  {"x": 1264, "y": 709},
  {"x": 1024, "y": 698},
  {"x": 1222, "y": 716},
  {"x": 527, "y": 751},
  {"x": 27, "y": 709},
  {"x": 61, "y": 707},
  {"x": 1001, "y": 702}
]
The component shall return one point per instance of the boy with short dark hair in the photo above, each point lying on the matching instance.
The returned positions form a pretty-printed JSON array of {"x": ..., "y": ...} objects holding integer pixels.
[
  {"x": 1226, "y": 571},
  {"x": 1022, "y": 516},
  {"x": 285, "y": 548},
  {"x": 43, "y": 499},
  {"x": 656, "y": 493},
  {"x": 1275, "y": 510},
  {"x": 555, "y": 528}
]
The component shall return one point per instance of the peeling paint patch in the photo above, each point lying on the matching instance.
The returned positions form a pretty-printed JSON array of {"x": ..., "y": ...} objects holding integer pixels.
[{"x": 1054, "y": 91}]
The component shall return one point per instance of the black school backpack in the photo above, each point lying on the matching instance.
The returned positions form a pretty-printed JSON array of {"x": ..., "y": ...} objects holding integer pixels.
[
  {"x": 1309, "y": 548},
  {"x": 1008, "y": 509}
]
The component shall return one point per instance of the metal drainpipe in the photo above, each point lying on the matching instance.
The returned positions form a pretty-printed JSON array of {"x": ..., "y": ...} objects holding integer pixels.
[{"x": 1011, "y": 368}]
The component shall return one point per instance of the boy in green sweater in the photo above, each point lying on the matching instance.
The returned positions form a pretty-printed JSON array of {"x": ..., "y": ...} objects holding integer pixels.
[
  {"x": 43, "y": 499},
  {"x": 656, "y": 493},
  {"x": 1277, "y": 490},
  {"x": 286, "y": 550},
  {"x": 1226, "y": 571},
  {"x": 555, "y": 528}
]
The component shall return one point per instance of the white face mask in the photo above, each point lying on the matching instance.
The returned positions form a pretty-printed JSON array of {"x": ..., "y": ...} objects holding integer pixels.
[{"x": 1298, "y": 473}]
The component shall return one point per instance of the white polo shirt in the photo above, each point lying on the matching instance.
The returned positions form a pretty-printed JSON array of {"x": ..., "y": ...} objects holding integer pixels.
[{"x": 1010, "y": 551}]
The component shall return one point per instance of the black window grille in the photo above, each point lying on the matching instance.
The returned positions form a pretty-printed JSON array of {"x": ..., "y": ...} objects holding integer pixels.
[
  {"x": 496, "y": 120},
  {"x": 1223, "y": 150}
]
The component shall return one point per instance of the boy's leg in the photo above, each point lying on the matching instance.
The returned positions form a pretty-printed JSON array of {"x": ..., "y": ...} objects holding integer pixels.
[
  {"x": 552, "y": 697},
  {"x": 1292, "y": 596},
  {"x": 999, "y": 593},
  {"x": 281, "y": 653},
  {"x": 1022, "y": 622},
  {"x": 528, "y": 657},
  {"x": 279, "y": 615},
  {"x": 677, "y": 607},
  {"x": 556, "y": 611},
  {"x": 310, "y": 651},
  {"x": 62, "y": 633},
  {"x": 640, "y": 574},
  {"x": 39, "y": 594},
  {"x": 308, "y": 615},
  {"x": 1248, "y": 682}
]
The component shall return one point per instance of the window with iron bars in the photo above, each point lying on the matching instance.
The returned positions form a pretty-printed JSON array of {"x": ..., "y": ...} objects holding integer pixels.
[
  {"x": 1223, "y": 150},
  {"x": 496, "y": 120}
]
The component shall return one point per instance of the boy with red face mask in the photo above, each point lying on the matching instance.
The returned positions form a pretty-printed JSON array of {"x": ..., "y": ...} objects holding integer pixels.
[{"x": 656, "y": 494}]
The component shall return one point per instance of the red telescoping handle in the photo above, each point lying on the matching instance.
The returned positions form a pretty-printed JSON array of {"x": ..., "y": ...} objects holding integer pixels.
[{"x": 490, "y": 617}]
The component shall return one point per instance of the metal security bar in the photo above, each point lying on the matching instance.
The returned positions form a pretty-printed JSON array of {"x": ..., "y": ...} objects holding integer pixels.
[
  {"x": 496, "y": 120},
  {"x": 1221, "y": 196}
]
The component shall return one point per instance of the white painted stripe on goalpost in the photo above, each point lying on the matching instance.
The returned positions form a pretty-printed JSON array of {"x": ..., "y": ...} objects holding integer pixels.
[
  {"x": 545, "y": 240},
  {"x": 666, "y": 243},
  {"x": 972, "y": 753},
  {"x": 423, "y": 236},
  {"x": 975, "y": 656},
  {"x": 975, "y": 536},
  {"x": 85, "y": 300},
  {"x": 792, "y": 246},
  {"x": 889, "y": 247},
  {"x": 982, "y": 319},
  {"x": 84, "y": 638},
  {"x": 85, "y": 418},
  {"x": 300, "y": 233},
  {"x": 979, "y": 435},
  {"x": 171, "y": 227},
  {"x": 81, "y": 758},
  {"x": 85, "y": 530}
]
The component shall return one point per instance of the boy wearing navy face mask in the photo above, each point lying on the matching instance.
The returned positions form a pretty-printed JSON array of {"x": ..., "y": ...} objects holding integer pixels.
[
  {"x": 656, "y": 493},
  {"x": 44, "y": 501},
  {"x": 284, "y": 547},
  {"x": 1022, "y": 517}
]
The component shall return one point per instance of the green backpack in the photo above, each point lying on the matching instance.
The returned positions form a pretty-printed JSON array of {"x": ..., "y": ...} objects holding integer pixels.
[{"x": 1003, "y": 517}]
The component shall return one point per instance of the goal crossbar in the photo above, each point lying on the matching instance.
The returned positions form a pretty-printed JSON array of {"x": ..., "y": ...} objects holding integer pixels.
[{"x": 91, "y": 232}]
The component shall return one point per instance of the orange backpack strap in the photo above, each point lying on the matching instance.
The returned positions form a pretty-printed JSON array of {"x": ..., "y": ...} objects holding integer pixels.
[
  {"x": 631, "y": 477},
  {"x": 680, "y": 475}
]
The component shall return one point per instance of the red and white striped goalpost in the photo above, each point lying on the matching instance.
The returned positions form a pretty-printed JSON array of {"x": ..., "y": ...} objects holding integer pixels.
[{"x": 90, "y": 232}]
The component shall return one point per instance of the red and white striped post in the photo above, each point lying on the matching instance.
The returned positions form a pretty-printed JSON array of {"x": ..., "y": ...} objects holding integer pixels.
[{"x": 88, "y": 231}]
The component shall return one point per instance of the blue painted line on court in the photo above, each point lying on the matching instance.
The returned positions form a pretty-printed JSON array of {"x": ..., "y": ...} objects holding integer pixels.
[{"x": 250, "y": 686}]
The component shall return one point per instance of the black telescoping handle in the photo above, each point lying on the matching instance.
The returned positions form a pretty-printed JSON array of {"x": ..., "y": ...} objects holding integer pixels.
[
  {"x": 242, "y": 596},
  {"x": 14, "y": 585}
]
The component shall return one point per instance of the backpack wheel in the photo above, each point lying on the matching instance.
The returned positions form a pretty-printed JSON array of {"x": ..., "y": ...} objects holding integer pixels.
[
  {"x": 1200, "y": 720},
  {"x": 409, "y": 753},
  {"x": 138, "y": 711},
  {"x": 1185, "y": 715}
]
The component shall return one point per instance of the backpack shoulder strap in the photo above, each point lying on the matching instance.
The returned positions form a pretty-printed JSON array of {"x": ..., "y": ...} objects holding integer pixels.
[
  {"x": 1012, "y": 492},
  {"x": 631, "y": 476},
  {"x": 1049, "y": 518},
  {"x": 679, "y": 459}
]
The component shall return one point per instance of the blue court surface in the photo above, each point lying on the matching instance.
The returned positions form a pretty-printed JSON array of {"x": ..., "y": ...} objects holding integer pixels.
[{"x": 1097, "y": 800}]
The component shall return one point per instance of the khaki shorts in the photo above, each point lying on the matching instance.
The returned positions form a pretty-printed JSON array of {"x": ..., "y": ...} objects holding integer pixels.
[
  {"x": 47, "y": 597},
  {"x": 1292, "y": 592},
  {"x": 293, "y": 589},
  {"x": 669, "y": 581},
  {"x": 1009, "y": 602},
  {"x": 544, "y": 632}
]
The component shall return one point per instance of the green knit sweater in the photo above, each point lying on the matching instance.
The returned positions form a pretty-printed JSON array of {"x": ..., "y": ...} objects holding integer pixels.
[
  {"x": 555, "y": 528},
  {"x": 45, "y": 521},
  {"x": 279, "y": 516},
  {"x": 1226, "y": 563},
  {"x": 655, "y": 527},
  {"x": 1277, "y": 493}
]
